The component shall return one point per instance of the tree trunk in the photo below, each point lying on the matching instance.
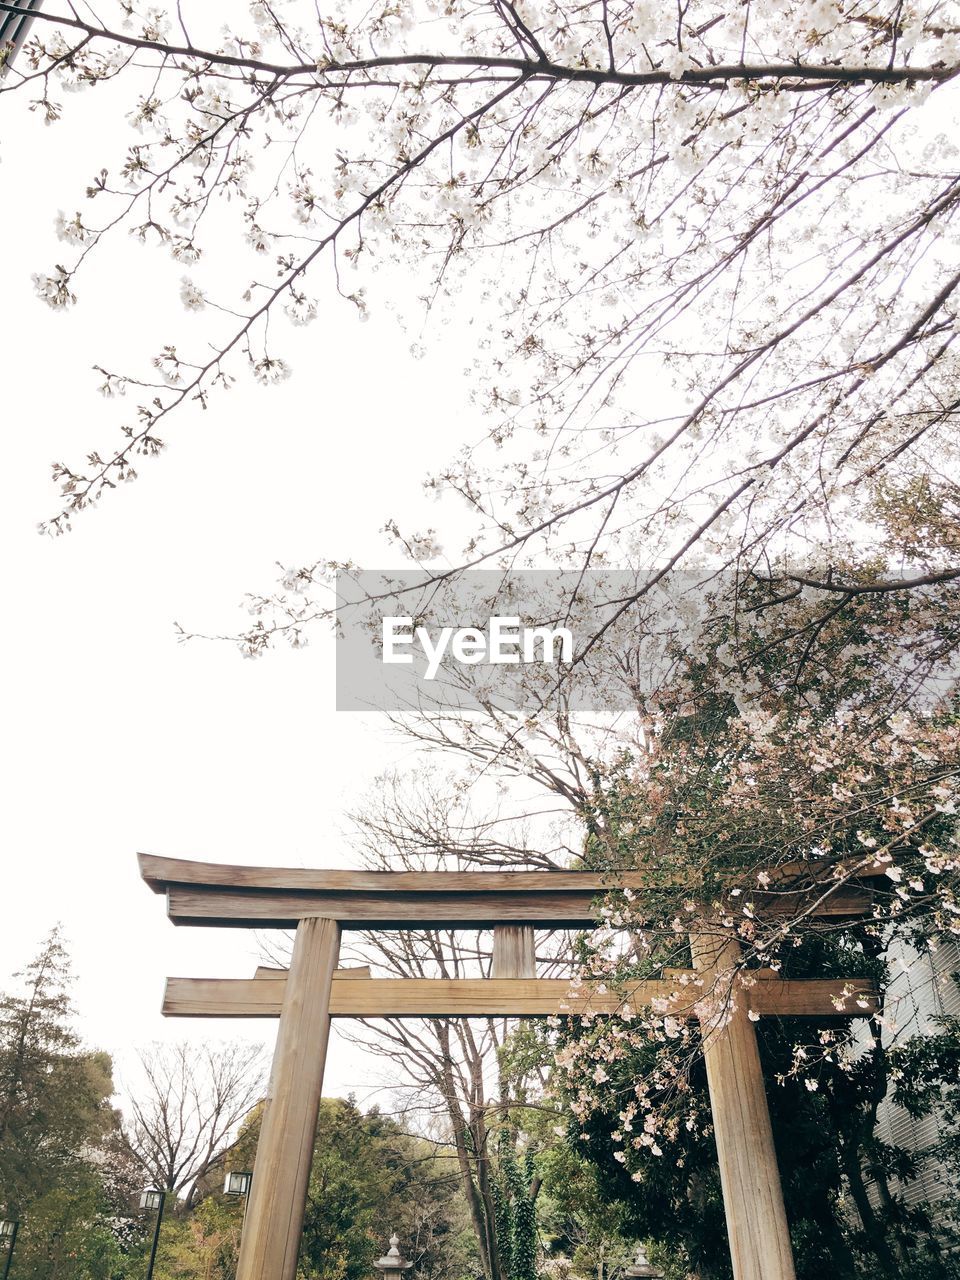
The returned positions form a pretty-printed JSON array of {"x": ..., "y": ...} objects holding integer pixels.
[
  {"x": 475, "y": 1204},
  {"x": 876, "y": 1237}
]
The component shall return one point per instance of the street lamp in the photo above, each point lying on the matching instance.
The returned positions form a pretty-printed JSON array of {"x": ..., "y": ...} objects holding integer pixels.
[
  {"x": 153, "y": 1199},
  {"x": 8, "y": 1232},
  {"x": 237, "y": 1184}
]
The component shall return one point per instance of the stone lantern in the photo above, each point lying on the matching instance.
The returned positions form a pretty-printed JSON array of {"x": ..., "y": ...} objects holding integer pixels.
[
  {"x": 392, "y": 1266},
  {"x": 642, "y": 1267}
]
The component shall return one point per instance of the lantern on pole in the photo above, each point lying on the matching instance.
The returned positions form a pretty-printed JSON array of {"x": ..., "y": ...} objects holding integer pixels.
[
  {"x": 237, "y": 1184},
  {"x": 153, "y": 1199},
  {"x": 392, "y": 1266}
]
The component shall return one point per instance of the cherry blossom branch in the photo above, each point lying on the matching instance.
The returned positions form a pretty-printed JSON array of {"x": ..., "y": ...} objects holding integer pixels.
[{"x": 804, "y": 74}]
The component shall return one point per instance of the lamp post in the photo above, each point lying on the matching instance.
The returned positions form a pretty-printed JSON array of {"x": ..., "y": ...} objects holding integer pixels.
[
  {"x": 8, "y": 1232},
  {"x": 153, "y": 1199},
  {"x": 391, "y": 1266},
  {"x": 238, "y": 1184}
]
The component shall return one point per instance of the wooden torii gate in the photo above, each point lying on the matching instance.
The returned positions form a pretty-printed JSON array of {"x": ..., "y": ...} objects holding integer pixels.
[{"x": 319, "y": 904}]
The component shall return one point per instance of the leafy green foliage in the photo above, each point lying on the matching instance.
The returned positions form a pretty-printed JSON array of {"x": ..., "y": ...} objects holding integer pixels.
[
  {"x": 64, "y": 1170},
  {"x": 525, "y": 1219},
  {"x": 515, "y": 1192},
  {"x": 369, "y": 1179}
]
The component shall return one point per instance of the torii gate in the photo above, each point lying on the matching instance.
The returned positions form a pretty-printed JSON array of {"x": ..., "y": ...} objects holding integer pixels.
[{"x": 319, "y": 904}]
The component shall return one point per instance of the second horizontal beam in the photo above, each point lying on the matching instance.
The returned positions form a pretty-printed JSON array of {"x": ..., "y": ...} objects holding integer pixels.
[{"x": 506, "y": 997}]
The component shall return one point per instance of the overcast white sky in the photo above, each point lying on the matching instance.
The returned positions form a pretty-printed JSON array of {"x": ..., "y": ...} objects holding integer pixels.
[{"x": 116, "y": 738}]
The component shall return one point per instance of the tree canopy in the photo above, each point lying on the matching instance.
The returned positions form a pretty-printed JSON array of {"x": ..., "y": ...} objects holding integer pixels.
[
  {"x": 65, "y": 1173},
  {"x": 709, "y": 250}
]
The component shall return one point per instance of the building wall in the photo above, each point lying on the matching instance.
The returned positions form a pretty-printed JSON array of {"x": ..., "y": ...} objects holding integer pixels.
[{"x": 922, "y": 989}]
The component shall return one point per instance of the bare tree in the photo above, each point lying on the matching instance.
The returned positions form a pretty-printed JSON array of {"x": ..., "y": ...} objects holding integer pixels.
[
  {"x": 187, "y": 1106},
  {"x": 431, "y": 815},
  {"x": 446, "y": 1068}
]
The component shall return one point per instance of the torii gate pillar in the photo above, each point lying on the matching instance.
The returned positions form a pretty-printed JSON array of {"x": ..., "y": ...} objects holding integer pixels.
[
  {"x": 760, "y": 1247},
  {"x": 278, "y": 1192}
]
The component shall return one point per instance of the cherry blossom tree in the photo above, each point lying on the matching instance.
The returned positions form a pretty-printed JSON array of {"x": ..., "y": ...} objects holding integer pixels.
[
  {"x": 767, "y": 776},
  {"x": 710, "y": 251}
]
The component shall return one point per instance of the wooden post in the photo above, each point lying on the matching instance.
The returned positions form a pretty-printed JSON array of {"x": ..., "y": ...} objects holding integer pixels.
[
  {"x": 513, "y": 952},
  {"x": 281, "y": 1172},
  {"x": 752, "y": 1194}
]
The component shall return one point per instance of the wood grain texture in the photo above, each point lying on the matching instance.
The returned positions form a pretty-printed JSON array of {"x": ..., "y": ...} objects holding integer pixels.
[
  {"x": 160, "y": 873},
  {"x": 355, "y": 971},
  {"x": 275, "y": 909},
  {"x": 279, "y": 909},
  {"x": 514, "y": 954},
  {"x": 760, "y": 1247},
  {"x": 274, "y": 1218},
  {"x": 513, "y": 997},
  {"x": 812, "y": 997}
]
